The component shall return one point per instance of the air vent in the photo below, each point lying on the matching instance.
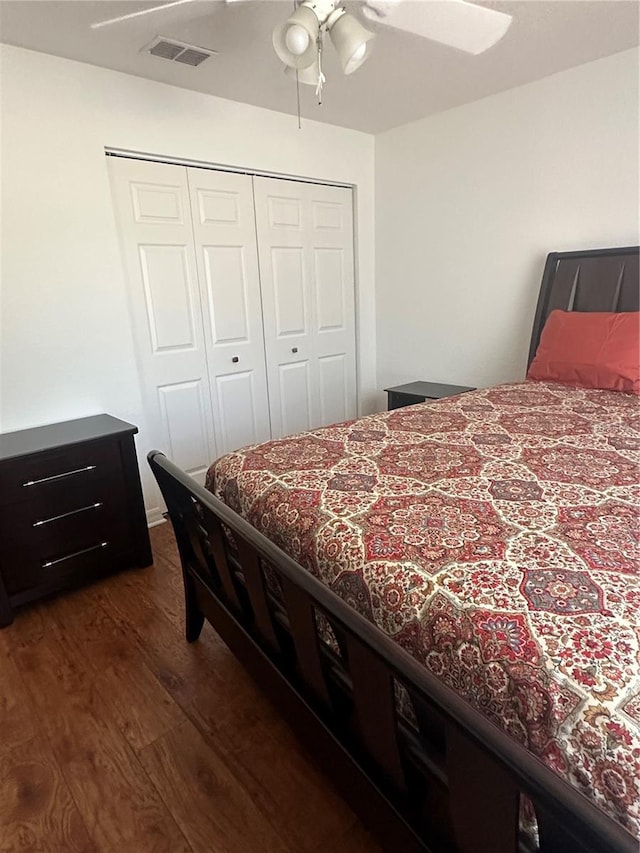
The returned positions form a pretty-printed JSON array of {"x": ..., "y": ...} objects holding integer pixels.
[
  {"x": 192, "y": 57},
  {"x": 177, "y": 51}
]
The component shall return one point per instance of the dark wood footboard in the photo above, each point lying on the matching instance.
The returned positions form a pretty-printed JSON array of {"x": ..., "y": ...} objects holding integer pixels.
[{"x": 440, "y": 777}]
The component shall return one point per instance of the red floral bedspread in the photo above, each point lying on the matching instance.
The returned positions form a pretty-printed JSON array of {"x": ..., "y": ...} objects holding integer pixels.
[{"x": 495, "y": 536}]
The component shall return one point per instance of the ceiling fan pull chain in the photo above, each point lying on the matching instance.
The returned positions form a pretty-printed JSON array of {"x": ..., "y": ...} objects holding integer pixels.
[
  {"x": 295, "y": 6},
  {"x": 298, "y": 97},
  {"x": 321, "y": 78}
]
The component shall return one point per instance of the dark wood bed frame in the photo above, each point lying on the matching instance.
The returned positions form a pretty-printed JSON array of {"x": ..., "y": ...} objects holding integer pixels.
[{"x": 453, "y": 780}]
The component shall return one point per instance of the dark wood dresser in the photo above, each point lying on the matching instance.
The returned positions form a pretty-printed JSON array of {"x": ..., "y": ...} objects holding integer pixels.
[{"x": 71, "y": 507}]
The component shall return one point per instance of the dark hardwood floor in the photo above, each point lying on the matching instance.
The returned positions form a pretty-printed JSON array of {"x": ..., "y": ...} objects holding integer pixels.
[{"x": 116, "y": 736}]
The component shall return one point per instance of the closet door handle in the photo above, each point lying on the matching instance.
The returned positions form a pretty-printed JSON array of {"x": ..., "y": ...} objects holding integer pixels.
[{"x": 235, "y": 359}]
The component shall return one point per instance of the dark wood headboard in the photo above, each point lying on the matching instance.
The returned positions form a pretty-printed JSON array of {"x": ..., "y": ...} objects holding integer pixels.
[{"x": 594, "y": 280}]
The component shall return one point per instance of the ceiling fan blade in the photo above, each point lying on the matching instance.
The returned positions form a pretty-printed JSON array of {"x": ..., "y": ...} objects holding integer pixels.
[
  {"x": 456, "y": 23},
  {"x": 128, "y": 17}
]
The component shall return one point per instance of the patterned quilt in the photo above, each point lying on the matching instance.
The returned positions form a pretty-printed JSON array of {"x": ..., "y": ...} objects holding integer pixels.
[{"x": 495, "y": 536}]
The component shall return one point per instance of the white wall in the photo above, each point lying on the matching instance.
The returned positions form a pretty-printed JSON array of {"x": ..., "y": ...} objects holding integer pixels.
[
  {"x": 66, "y": 342},
  {"x": 469, "y": 203}
]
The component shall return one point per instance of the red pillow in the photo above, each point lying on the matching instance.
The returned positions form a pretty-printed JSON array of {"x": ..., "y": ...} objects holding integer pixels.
[{"x": 590, "y": 349}]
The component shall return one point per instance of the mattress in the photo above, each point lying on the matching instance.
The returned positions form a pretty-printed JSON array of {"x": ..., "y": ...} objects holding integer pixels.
[{"x": 495, "y": 536}]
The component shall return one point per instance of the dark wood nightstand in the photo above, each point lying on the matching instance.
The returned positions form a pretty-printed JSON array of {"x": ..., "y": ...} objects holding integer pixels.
[
  {"x": 418, "y": 392},
  {"x": 71, "y": 508}
]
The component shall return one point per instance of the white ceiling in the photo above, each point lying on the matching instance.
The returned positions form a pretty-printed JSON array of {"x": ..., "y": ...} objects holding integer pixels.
[{"x": 406, "y": 77}]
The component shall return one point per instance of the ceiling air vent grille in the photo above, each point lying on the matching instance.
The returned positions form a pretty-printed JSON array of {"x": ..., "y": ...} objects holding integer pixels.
[
  {"x": 192, "y": 57},
  {"x": 177, "y": 51}
]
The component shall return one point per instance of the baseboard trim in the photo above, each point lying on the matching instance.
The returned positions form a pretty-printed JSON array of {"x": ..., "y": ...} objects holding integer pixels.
[{"x": 155, "y": 517}]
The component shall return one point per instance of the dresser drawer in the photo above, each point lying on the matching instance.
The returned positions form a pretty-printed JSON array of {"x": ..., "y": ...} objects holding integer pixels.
[
  {"x": 38, "y": 549},
  {"x": 45, "y": 478},
  {"x": 84, "y": 564},
  {"x": 58, "y": 498}
]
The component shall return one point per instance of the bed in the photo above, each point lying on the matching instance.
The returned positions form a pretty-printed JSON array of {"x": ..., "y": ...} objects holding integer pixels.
[{"x": 443, "y": 600}]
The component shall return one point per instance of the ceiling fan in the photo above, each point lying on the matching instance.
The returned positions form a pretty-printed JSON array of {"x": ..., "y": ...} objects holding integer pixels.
[{"x": 298, "y": 40}]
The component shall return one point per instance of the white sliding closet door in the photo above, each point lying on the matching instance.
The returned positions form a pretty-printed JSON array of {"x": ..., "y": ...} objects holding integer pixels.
[
  {"x": 227, "y": 259},
  {"x": 305, "y": 244},
  {"x": 242, "y": 300},
  {"x": 153, "y": 209}
]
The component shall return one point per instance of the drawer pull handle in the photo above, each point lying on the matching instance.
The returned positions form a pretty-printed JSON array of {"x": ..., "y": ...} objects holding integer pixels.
[
  {"x": 48, "y": 563},
  {"x": 58, "y": 476},
  {"x": 67, "y": 514}
]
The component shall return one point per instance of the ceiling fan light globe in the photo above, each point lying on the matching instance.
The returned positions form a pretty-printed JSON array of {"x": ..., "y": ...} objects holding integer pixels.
[
  {"x": 350, "y": 40},
  {"x": 303, "y": 19},
  {"x": 359, "y": 54},
  {"x": 296, "y": 39},
  {"x": 309, "y": 76}
]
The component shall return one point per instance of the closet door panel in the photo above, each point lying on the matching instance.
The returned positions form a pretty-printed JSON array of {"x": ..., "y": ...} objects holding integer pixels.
[
  {"x": 333, "y": 283},
  {"x": 226, "y": 290},
  {"x": 167, "y": 289},
  {"x": 289, "y": 291},
  {"x": 289, "y": 352},
  {"x": 295, "y": 397},
  {"x": 328, "y": 267},
  {"x": 154, "y": 221},
  {"x": 284, "y": 210},
  {"x": 305, "y": 244},
  {"x": 281, "y": 222},
  {"x": 334, "y": 390},
  {"x": 225, "y": 241},
  {"x": 235, "y": 397},
  {"x": 183, "y": 415},
  {"x": 156, "y": 203}
]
